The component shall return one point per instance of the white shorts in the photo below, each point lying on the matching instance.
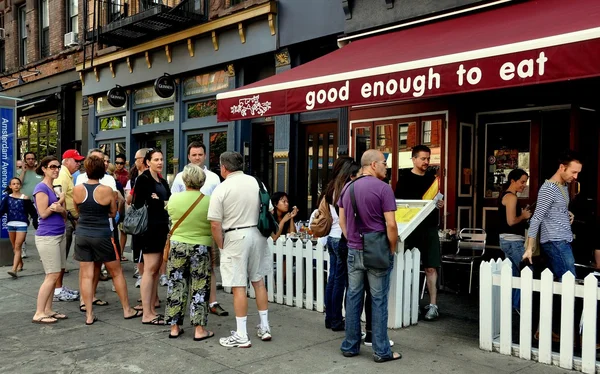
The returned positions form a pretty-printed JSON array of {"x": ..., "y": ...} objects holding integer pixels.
[{"x": 244, "y": 257}]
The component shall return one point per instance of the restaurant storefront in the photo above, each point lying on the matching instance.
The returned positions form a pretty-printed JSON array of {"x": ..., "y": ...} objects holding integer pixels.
[{"x": 510, "y": 97}]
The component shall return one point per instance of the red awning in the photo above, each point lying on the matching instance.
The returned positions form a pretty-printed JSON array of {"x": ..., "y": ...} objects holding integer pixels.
[{"x": 520, "y": 44}]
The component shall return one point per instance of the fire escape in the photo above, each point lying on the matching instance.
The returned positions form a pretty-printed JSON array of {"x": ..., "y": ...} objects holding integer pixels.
[{"x": 125, "y": 23}]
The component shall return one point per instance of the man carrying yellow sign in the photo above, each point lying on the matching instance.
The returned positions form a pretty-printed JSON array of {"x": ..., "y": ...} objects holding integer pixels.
[{"x": 418, "y": 184}]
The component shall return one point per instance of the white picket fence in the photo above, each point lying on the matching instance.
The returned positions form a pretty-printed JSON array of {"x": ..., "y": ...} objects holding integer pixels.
[
  {"x": 495, "y": 316},
  {"x": 307, "y": 268}
]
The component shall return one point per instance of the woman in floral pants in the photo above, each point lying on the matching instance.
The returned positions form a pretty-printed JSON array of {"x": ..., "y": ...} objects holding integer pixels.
[{"x": 189, "y": 261}]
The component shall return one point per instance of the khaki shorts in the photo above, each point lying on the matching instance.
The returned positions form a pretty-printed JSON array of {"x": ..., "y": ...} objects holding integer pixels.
[
  {"x": 53, "y": 252},
  {"x": 245, "y": 256}
]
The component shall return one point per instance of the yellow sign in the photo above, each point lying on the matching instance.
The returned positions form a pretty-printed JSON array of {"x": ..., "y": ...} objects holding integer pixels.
[
  {"x": 405, "y": 215},
  {"x": 433, "y": 190}
]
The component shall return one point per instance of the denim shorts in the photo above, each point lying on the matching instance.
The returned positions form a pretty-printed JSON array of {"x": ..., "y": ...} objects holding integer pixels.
[{"x": 11, "y": 228}]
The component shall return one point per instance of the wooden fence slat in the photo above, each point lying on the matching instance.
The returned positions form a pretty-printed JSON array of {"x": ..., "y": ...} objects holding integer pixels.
[
  {"x": 299, "y": 253},
  {"x": 485, "y": 308},
  {"x": 526, "y": 313},
  {"x": 506, "y": 307},
  {"x": 270, "y": 280},
  {"x": 407, "y": 288},
  {"x": 567, "y": 315},
  {"x": 588, "y": 347},
  {"x": 280, "y": 269},
  {"x": 310, "y": 298},
  {"x": 545, "y": 327},
  {"x": 289, "y": 272},
  {"x": 414, "y": 298}
]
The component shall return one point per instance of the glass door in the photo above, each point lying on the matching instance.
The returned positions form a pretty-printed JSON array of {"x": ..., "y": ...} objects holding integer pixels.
[
  {"x": 320, "y": 153},
  {"x": 215, "y": 141},
  {"x": 165, "y": 143}
]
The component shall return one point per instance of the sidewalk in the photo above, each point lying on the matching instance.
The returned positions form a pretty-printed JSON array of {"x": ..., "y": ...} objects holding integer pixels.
[{"x": 300, "y": 342}]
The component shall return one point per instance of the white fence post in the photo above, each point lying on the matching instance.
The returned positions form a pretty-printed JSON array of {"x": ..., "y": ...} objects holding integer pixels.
[
  {"x": 300, "y": 252},
  {"x": 414, "y": 298},
  {"x": 526, "y": 313},
  {"x": 395, "y": 294},
  {"x": 280, "y": 269},
  {"x": 567, "y": 321},
  {"x": 289, "y": 272},
  {"x": 310, "y": 298},
  {"x": 506, "y": 307},
  {"x": 588, "y": 346},
  {"x": 545, "y": 326},
  {"x": 496, "y": 267},
  {"x": 407, "y": 288},
  {"x": 485, "y": 305},
  {"x": 320, "y": 275},
  {"x": 270, "y": 280}
]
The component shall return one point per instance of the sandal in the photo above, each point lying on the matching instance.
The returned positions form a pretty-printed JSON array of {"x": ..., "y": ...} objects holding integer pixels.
[
  {"x": 138, "y": 313},
  {"x": 209, "y": 334},
  {"x": 100, "y": 302},
  {"x": 171, "y": 336},
  {"x": 123, "y": 259},
  {"x": 45, "y": 320},
  {"x": 93, "y": 321},
  {"x": 157, "y": 321},
  {"x": 58, "y": 315}
]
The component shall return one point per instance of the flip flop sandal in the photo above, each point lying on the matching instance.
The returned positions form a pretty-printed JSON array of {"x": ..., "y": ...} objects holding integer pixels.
[
  {"x": 82, "y": 308},
  {"x": 138, "y": 307},
  {"x": 140, "y": 300},
  {"x": 123, "y": 259},
  {"x": 100, "y": 302},
  {"x": 138, "y": 313},
  {"x": 208, "y": 336},
  {"x": 93, "y": 321},
  {"x": 13, "y": 274},
  {"x": 157, "y": 321},
  {"x": 45, "y": 320},
  {"x": 59, "y": 316},
  {"x": 171, "y": 336}
]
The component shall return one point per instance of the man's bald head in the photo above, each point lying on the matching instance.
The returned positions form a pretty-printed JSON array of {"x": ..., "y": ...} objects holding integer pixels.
[{"x": 370, "y": 156}]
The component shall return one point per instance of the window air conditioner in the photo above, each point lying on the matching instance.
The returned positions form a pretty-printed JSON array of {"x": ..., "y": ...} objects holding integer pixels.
[
  {"x": 71, "y": 39},
  {"x": 2, "y": 34}
]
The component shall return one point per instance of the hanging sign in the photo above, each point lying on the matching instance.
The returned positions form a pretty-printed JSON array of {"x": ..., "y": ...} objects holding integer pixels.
[
  {"x": 164, "y": 86},
  {"x": 117, "y": 96}
]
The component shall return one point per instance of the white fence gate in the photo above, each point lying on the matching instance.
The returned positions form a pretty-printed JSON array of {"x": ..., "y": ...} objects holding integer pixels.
[
  {"x": 495, "y": 315},
  {"x": 306, "y": 269}
]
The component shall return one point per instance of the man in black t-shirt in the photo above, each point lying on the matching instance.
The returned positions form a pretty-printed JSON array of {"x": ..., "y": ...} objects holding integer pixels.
[{"x": 412, "y": 185}]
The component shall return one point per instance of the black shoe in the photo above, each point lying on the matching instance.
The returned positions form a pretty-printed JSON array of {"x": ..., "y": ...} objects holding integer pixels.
[
  {"x": 386, "y": 359},
  {"x": 327, "y": 325},
  {"x": 349, "y": 354},
  {"x": 340, "y": 327}
]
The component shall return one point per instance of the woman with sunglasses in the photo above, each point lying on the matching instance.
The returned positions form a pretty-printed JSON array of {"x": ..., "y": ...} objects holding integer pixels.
[
  {"x": 152, "y": 190},
  {"x": 49, "y": 237}
]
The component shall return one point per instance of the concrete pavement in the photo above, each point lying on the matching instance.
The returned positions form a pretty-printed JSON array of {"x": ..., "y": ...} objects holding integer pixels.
[{"x": 300, "y": 342}]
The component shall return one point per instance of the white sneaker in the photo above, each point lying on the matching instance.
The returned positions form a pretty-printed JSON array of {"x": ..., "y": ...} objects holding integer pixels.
[
  {"x": 71, "y": 291},
  {"x": 235, "y": 341},
  {"x": 263, "y": 334},
  {"x": 138, "y": 282},
  {"x": 136, "y": 272},
  {"x": 164, "y": 280},
  {"x": 23, "y": 251},
  {"x": 113, "y": 289},
  {"x": 370, "y": 344},
  {"x": 65, "y": 296}
]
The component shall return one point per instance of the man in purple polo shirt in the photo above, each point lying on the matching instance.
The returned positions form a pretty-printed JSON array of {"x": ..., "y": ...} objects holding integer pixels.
[{"x": 376, "y": 204}]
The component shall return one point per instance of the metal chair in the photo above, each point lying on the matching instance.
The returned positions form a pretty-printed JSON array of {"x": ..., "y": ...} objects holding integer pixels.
[{"x": 470, "y": 248}]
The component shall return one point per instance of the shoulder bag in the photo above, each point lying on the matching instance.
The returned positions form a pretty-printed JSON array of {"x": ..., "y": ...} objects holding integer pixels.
[
  {"x": 167, "y": 248},
  {"x": 376, "y": 246},
  {"x": 136, "y": 219}
]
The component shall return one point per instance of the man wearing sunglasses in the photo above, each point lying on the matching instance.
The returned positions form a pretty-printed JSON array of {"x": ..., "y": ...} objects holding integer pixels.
[{"x": 121, "y": 173}]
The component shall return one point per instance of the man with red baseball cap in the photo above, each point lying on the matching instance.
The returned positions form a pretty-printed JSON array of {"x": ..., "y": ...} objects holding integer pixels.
[{"x": 71, "y": 160}]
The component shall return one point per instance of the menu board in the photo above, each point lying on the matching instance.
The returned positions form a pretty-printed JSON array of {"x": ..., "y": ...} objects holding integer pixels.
[{"x": 410, "y": 213}]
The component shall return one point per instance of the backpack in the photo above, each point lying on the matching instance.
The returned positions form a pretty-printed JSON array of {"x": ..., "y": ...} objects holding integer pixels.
[
  {"x": 321, "y": 223},
  {"x": 266, "y": 222}
]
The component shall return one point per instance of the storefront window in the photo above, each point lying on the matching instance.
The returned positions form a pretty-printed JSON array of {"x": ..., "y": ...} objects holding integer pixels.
[
  {"x": 363, "y": 140},
  {"x": 404, "y": 145},
  {"x": 111, "y": 123},
  {"x": 147, "y": 95},
  {"x": 218, "y": 145},
  {"x": 38, "y": 135},
  {"x": 507, "y": 148},
  {"x": 426, "y": 132},
  {"x": 206, "y": 83},
  {"x": 202, "y": 109},
  {"x": 156, "y": 116},
  {"x": 103, "y": 106},
  {"x": 194, "y": 138}
]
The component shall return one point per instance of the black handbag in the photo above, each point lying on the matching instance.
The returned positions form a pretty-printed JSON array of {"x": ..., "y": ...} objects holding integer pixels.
[{"x": 376, "y": 246}]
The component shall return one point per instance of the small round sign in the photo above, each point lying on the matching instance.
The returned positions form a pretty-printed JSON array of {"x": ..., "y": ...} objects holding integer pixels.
[
  {"x": 164, "y": 86},
  {"x": 116, "y": 96},
  {"x": 492, "y": 160}
]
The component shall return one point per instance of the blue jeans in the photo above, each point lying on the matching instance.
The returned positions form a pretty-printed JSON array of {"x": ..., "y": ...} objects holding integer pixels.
[
  {"x": 336, "y": 283},
  {"x": 514, "y": 252},
  {"x": 561, "y": 257},
  {"x": 379, "y": 284}
]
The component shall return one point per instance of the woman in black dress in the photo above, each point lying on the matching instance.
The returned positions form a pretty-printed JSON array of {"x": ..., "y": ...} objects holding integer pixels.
[{"x": 152, "y": 190}]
